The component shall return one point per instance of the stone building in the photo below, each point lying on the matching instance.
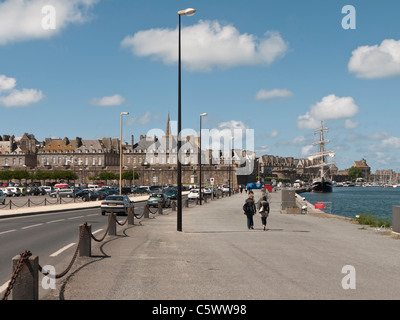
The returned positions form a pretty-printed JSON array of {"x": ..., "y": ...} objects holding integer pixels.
[
  {"x": 18, "y": 153},
  {"x": 366, "y": 169}
]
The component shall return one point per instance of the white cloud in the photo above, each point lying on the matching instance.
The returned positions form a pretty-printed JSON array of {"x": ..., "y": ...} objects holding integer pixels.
[
  {"x": 306, "y": 150},
  {"x": 207, "y": 45},
  {"x": 232, "y": 125},
  {"x": 274, "y": 133},
  {"x": 381, "y": 61},
  {"x": 348, "y": 124},
  {"x": 146, "y": 118},
  {"x": 272, "y": 95},
  {"x": 329, "y": 108},
  {"x": 21, "y": 98},
  {"x": 11, "y": 97},
  {"x": 114, "y": 100},
  {"x": 6, "y": 83},
  {"x": 21, "y": 20}
]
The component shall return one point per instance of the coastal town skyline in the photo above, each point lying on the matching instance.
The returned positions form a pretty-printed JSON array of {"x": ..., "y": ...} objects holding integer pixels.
[{"x": 277, "y": 70}]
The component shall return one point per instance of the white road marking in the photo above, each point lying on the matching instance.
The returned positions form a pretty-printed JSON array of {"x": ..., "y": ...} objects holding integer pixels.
[
  {"x": 75, "y": 217},
  {"x": 55, "y": 221},
  {"x": 32, "y": 226},
  {"x": 55, "y": 254},
  {"x": 8, "y": 231}
]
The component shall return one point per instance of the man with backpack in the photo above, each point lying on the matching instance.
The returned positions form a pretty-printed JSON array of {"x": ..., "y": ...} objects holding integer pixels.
[{"x": 249, "y": 209}]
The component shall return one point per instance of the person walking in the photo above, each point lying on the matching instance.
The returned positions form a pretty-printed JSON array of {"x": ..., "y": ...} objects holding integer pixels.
[
  {"x": 249, "y": 209},
  {"x": 263, "y": 209}
]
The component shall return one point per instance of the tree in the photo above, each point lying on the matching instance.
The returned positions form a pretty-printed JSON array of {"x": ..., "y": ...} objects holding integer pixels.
[
  {"x": 128, "y": 175},
  {"x": 107, "y": 176},
  {"x": 354, "y": 173}
]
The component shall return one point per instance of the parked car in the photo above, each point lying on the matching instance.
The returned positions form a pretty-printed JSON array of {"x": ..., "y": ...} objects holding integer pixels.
[
  {"x": 140, "y": 190},
  {"x": 33, "y": 191},
  {"x": 16, "y": 192},
  {"x": 224, "y": 188},
  {"x": 7, "y": 193},
  {"x": 117, "y": 204},
  {"x": 156, "y": 198},
  {"x": 48, "y": 189},
  {"x": 2, "y": 197},
  {"x": 68, "y": 193},
  {"x": 194, "y": 194},
  {"x": 87, "y": 195},
  {"x": 171, "y": 193}
]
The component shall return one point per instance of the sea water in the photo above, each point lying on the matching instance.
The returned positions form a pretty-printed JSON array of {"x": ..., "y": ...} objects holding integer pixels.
[{"x": 352, "y": 201}]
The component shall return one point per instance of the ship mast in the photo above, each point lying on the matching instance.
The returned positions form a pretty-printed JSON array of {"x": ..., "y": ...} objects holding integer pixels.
[{"x": 322, "y": 154}]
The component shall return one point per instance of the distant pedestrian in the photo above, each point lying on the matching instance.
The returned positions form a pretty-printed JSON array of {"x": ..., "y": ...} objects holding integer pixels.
[
  {"x": 263, "y": 209},
  {"x": 249, "y": 209},
  {"x": 241, "y": 188}
]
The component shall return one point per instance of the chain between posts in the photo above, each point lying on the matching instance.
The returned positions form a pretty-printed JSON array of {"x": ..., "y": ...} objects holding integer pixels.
[
  {"x": 23, "y": 257},
  {"x": 26, "y": 254}
]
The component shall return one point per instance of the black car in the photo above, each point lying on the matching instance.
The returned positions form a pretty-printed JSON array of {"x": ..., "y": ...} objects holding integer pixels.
[
  {"x": 33, "y": 191},
  {"x": 141, "y": 191},
  {"x": 87, "y": 195}
]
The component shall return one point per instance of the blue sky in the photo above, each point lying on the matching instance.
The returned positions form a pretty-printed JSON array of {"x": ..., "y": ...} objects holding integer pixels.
[{"x": 277, "y": 67}]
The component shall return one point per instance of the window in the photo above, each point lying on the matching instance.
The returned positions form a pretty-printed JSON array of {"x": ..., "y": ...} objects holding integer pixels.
[
  {"x": 99, "y": 161},
  {"x": 93, "y": 161}
]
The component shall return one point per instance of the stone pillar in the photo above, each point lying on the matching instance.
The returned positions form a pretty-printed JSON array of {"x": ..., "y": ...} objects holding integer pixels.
[
  {"x": 85, "y": 247},
  {"x": 396, "y": 219},
  {"x": 112, "y": 231},
  {"x": 26, "y": 286}
]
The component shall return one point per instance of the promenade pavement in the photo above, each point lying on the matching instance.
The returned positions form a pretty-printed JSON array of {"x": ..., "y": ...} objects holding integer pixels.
[{"x": 216, "y": 257}]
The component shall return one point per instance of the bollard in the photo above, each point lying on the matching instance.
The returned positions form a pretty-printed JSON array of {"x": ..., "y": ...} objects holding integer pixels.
[
  {"x": 160, "y": 209},
  {"x": 131, "y": 216},
  {"x": 146, "y": 211},
  {"x": 197, "y": 201},
  {"x": 112, "y": 231},
  {"x": 187, "y": 203},
  {"x": 173, "y": 206},
  {"x": 26, "y": 285},
  {"x": 205, "y": 198},
  {"x": 85, "y": 247}
]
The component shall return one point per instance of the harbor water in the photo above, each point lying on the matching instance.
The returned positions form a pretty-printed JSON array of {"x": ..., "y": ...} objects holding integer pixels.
[{"x": 352, "y": 201}]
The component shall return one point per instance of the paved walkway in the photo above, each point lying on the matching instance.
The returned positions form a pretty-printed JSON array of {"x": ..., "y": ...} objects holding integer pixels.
[{"x": 217, "y": 257}]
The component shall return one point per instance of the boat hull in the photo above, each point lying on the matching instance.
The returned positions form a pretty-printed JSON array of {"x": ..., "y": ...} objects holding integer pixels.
[{"x": 322, "y": 186}]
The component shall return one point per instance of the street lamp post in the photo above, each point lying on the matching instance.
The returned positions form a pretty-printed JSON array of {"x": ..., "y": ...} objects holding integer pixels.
[
  {"x": 187, "y": 12},
  {"x": 201, "y": 116},
  {"x": 120, "y": 154}
]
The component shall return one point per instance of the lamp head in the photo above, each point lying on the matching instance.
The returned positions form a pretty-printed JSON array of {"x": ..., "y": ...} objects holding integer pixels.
[{"x": 187, "y": 12}]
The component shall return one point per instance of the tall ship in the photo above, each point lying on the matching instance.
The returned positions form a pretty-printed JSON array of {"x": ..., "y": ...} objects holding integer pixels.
[{"x": 321, "y": 183}]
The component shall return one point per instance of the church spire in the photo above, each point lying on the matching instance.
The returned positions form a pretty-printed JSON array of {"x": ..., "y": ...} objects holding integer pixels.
[{"x": 168, "y": 131}]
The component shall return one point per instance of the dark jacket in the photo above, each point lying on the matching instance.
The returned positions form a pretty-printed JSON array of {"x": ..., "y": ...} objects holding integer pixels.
[
  {"x": 251, "y": 207},
  {"x": 265, "y": 205}
]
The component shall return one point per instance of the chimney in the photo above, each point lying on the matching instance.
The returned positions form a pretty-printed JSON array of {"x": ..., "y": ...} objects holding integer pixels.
[{"x": 132, "y": 140}]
